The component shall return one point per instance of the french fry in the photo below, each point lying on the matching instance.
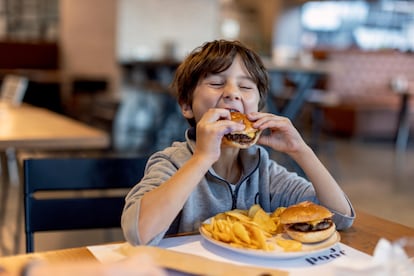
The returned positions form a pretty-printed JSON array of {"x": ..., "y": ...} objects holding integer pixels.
[
  {"x": 252, "y": 210},
  {"x": 277, "y": 212},
  {"x": 289, "y": 245},
  {"x": 241, "y": 232},
  {"x": 265, "y": 222}
]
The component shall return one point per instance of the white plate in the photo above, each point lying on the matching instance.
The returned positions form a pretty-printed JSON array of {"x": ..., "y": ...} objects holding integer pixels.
[{"x": 278, "y": 253}]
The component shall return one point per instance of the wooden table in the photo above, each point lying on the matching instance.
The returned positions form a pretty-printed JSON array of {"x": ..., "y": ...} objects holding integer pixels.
[
  {"x": 27, "y": 127},
  {"x": 368, "y": 229},
  {"x": 363, "y": 235}
]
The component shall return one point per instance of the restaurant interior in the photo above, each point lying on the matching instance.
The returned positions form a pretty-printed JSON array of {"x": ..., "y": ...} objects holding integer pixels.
[{"x": 108, "y": 65}]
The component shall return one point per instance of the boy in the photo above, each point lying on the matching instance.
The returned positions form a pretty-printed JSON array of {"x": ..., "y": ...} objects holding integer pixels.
[{"x": 193, "y": 180}]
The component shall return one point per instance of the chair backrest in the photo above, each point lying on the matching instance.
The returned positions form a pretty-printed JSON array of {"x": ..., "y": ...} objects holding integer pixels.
[
  {"x": 78, "y": 210},
  {"x": 13, "y": 89}
]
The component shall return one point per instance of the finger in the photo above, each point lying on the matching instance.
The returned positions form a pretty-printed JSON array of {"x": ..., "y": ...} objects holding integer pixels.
[
  {"x": 215, "y": 114},
  {"x": 253, "y": 116},
  {"x": 260, "y": 119},
  {"x": 227, "y": 126},
  {"x": 271, "y": 122}
]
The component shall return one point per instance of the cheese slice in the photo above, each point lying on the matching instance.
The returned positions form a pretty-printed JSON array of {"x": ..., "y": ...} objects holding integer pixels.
[{"x": 315, "y": 222}]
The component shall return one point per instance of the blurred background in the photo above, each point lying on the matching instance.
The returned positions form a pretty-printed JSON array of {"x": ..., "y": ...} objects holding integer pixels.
[{"x": 109, "y": 63}]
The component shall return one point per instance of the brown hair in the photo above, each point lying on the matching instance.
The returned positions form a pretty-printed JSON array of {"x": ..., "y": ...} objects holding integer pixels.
[{"x": 214, "y": 57}]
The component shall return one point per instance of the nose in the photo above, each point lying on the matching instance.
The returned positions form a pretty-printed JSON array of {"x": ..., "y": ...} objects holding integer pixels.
[{"x": 231, "y": 92}]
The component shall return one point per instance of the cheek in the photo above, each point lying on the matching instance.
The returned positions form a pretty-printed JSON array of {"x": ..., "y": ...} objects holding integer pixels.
[
  {"x": 198, "y": 114},
  {"x": 205, "y": 99},
  {"x": 200, "y": 106},
  {"x": 252, "y": 101}
]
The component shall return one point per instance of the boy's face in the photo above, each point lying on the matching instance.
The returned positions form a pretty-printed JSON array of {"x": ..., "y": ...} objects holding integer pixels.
[{"x": 230, "y": 89}]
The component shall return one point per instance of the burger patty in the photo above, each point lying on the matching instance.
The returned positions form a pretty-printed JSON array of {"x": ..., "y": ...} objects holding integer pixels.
[
  {"x": 306, "y": 227},
  {"x": 239, "y": 137}
]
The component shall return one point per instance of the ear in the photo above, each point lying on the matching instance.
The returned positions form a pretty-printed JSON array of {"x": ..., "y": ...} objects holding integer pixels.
[{"x": 187, "y": 111}]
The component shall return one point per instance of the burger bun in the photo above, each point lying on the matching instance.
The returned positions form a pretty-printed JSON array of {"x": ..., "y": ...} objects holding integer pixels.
[{"x": 304, "y": 212}]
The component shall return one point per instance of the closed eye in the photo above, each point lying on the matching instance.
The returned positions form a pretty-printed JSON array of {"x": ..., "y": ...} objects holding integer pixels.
[
  {"x": 214, "y": 81},
  {"x": 216, "y": 84},
  {"x": 246, "y": 83},
  {"x": 246, "y": 87}
]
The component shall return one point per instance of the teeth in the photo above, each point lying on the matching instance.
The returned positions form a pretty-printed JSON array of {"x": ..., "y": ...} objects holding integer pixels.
[{"x": 232, "y": 110}]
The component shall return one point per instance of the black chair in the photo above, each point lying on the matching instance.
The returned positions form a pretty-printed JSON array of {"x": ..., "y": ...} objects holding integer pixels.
[{"x": 79, "y": 211}]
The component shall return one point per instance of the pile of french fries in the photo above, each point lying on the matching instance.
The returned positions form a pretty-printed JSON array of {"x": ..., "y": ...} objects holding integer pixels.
[{"x": 253, "y": 229}]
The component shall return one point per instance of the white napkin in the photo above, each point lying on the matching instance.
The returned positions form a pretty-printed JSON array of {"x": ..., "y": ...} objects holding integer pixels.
[{"x": 388, "y": 259}]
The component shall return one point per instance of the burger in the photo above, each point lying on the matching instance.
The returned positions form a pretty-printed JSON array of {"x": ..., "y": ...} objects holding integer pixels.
[
  {"x": 308, "y": 222},
  {"x": 244, "y": 138}
]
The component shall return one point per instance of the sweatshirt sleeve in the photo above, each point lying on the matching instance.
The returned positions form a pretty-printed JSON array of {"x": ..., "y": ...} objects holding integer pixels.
[
  {"x": 341, "y": 221},
  {"x": 129, "y": 222}
]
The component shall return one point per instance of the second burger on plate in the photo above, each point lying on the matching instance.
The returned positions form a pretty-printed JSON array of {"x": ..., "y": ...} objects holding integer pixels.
[{"x": 308, "y": 222}]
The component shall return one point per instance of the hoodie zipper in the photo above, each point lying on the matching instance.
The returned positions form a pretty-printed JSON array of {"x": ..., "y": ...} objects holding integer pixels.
[
  {"x": 236, "y": 190},
  {"x": 232, "y": 193}
]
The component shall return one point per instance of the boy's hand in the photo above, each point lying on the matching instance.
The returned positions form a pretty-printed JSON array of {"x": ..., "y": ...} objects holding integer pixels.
[
  {"x": 283, "y": 135},
  {"x": 210, "y": 131}
]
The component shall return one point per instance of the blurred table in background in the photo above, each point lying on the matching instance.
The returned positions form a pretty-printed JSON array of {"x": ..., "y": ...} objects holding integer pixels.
[
  {"x": 294, "y": 86},
  {"x": 32, "y": 128},
  {"x": 303, "y": 75},
  {"x": 29, "y": 127}
]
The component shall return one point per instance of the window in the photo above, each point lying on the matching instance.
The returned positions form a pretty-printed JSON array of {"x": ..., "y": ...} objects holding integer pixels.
[
  {"x": 29, "y": 19},
  {"x": 366, "y": 24}
]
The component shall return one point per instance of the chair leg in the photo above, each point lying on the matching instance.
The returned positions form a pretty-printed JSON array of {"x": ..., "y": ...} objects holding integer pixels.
[
  {"x": 29, "y": 242},
  {"x": 19, "y": 224},
  {"x": 5, "y": 184},
  {"x": 11, "y": 173},
  {"x": 20, "y": 208}
]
